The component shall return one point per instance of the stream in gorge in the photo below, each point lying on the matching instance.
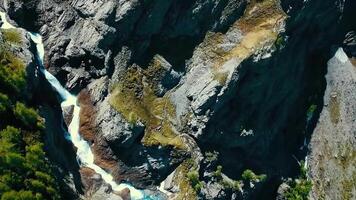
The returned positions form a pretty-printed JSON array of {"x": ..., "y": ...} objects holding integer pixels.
[{"x": 84, "y": 154}]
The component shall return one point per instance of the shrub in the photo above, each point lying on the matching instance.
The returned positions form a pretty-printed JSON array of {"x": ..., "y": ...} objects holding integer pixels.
[
  {"x": 11, "y": 179},
  {"x": 218, "y": 171},
  {"x": 6, "y": 146},
  {"x": 232, "y": 185},
  {"x": 249, "y": 175},
  {"x": 14, "y": 161},
  {"x": 299, "y": 190},
  {"x": 46, "y": 178},
  {"x": 21, "y": 195},
  {"x": 35, "y": 157},
  {"x": 28, "y": 116},
  {"x": 4, "y": 102},
  {"x": 193, "y": 177},
  {"x": 24, "y": 171},
  {"x": 37, "y": 186},
  {"x": 11, "y": 134},
  {"x": 12, "y": 36},
  {"x": 12, "y": 72}
]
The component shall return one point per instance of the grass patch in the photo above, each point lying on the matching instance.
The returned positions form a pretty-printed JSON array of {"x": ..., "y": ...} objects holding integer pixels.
[
  {"x": 135, "y": 99},
  {"x": 186, "y": 190},
  {"x": 12, "y": 36}
]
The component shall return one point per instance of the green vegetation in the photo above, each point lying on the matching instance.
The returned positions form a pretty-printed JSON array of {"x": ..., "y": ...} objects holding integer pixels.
[
  {"x": 135, "y": 99},
  {"x": 249, "y": 175},
  {"x": 12, "y": 36},
  {"x": 218, "y": 171},
  {"x": 310, "y": 112},
  {"x": 12, "y": 72},
  {"x": 211, "y": 156},
  {"x": 193, "y": 177},
  {"x": 186, "y": 190},
  {"x": 236, "y": 185},
  {"x": 232, "y": 185},
  {"x": 25, "y": 174},
  {"x": 299, "y": 188}
]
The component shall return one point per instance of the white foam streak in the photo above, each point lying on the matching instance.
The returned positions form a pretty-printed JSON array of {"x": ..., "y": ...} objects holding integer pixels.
[
  {"x": 84, "y": 153},
  {"x": 6, "y": 24}
]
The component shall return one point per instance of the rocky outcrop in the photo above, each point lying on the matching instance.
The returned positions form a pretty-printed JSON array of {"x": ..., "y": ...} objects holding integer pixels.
[
  {"x": 332, "y": 159},
  {"x": 163, "y": 83},
  {"x": 96, "y": 188},
  {"x": 90, "y": 62},
  {"x": 214, "y": 68}
]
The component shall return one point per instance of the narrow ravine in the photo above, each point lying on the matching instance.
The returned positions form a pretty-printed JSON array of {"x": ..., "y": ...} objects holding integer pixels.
[{"x": 84, "y": 154}]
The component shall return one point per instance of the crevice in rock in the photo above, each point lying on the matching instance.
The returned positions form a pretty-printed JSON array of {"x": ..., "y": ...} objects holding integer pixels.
[{"x": 272, "y": 98}]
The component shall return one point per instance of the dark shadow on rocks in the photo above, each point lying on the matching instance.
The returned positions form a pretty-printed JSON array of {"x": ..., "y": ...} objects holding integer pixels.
[
  {"x": 60, "y": 150},
  {"x": 154, "y": 162},
  {"x": 176, "y": 45},
  {"x": 24, "y": 13},
  {"x": 272, "y": 99}
]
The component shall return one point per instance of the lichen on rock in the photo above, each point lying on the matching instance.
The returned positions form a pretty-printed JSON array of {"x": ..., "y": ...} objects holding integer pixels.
[{"x": 134, "y": 97}]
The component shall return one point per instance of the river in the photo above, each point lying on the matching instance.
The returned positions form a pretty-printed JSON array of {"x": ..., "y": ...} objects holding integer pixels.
[{"x": 84, "y": 153}]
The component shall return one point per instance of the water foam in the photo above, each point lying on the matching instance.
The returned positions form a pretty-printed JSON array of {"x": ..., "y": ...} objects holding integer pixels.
[{"x": 84, "y": 153}]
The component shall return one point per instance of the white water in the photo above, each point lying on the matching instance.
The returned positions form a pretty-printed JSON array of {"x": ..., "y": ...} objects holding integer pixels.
[{"x": 84, "y": 153}]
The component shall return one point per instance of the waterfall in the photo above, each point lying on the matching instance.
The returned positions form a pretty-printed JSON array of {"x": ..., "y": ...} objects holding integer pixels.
[{"x": 84, "y": 153}]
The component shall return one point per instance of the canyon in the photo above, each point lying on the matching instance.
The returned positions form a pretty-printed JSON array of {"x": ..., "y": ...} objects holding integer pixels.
[{"x": 181, "y": 99}]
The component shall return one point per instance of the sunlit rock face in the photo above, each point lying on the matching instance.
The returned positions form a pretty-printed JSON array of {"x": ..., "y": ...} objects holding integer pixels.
[
  {"x": 211, "y": 87},
  {"x": 332, "y": 158}
]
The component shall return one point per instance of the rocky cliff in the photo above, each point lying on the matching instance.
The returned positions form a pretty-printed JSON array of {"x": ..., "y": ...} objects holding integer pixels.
[
  {"x": 332, "y": 159},
  {"x": 209, "y": 99}
]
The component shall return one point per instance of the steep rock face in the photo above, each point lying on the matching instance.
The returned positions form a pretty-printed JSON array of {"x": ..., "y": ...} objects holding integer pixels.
[
  {"x": 66, "y": 26},
  {"x": 78, "y": 59},
  {"x": 214, "y": 68},
  {"x": 95, "y": 187},
  {"x": 332, "y": 159},
  {"x": 244, "y": 92},
  {"x": 82, "y": 61}
]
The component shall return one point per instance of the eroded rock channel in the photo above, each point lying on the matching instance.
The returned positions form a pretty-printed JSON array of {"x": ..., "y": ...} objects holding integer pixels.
[{"x": 215, "y": 99}]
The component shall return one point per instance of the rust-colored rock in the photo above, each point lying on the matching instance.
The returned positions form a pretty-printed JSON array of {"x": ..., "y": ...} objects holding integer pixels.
[
  {"x": 104, "y": 157},
  {"x": 124, "y": 194},
  {"x": 87, "y": 114}
]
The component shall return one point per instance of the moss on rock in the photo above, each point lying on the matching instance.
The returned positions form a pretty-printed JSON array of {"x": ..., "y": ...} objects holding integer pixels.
[
  {"x": 135, "y": 99},
  {"x": 186, "y": 190},
  {"x": 12, "y": 36}
]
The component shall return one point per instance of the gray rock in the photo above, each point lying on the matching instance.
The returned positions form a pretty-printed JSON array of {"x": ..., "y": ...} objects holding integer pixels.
[
  {"x": 114, "y": 128},
  {"x": 213, "y": 190},
  {"x": 121, "y": 62},
  {"x": 332, "y": 162},
  {"x": 281, "y": 192},
  {"x": 68, "y": 114}
]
